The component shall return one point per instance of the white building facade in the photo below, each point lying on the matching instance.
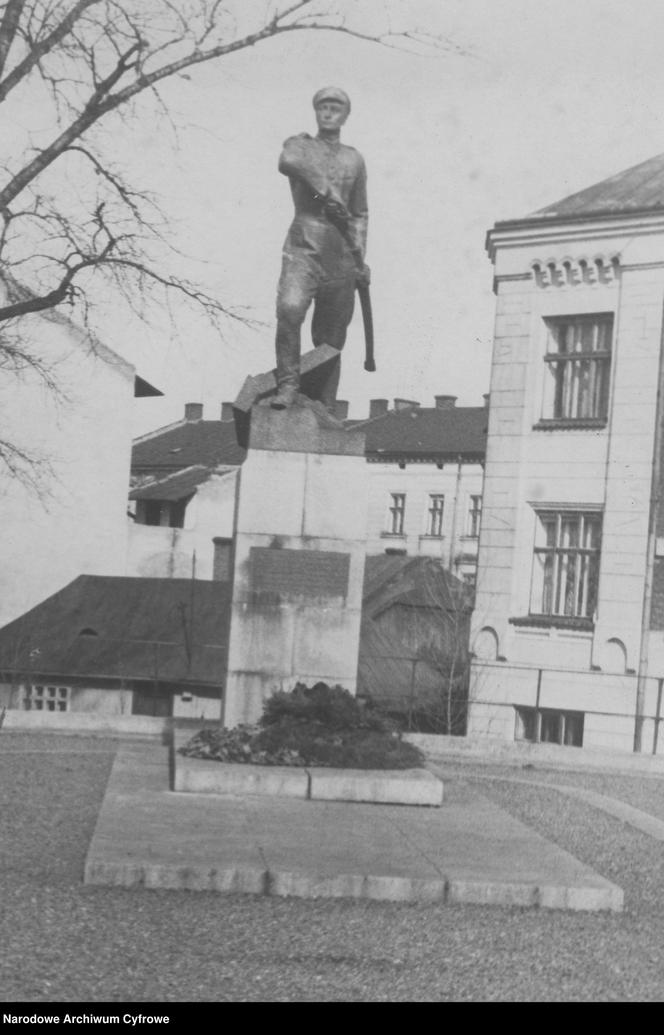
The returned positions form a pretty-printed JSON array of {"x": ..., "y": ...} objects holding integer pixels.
[
  {"x": 564, "y": 634},
  {"x": 425, "y": 509},
  {"x": 69, "y": 516}
]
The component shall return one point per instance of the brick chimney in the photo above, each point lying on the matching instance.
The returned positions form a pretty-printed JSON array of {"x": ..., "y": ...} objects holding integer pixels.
[
  {"x": 405, "y": 404},
  {"x": 193, "y": 411},
  {"x": 377, "y": 407},
  {"x": 222, "y": 563},
  {"x": 227, "y": 411},
  {"x": 486, "y": 397},
  {"x": 341, "y": 409},
  {"x": 445, "y": 402}
]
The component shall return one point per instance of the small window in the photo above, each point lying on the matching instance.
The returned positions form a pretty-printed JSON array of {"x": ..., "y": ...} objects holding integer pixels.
[
  {"x": 166, "y": 513},
  {"x": 41, "y": 697},
  {"x": 435, "y": 515},
  {"x": 578, "y": 360},
  {"x": 149, "y": 512},
  {"x": 549, "y": 726},
  {"x": 474, "y": 516},
  {"x": 396, "y": 513}
]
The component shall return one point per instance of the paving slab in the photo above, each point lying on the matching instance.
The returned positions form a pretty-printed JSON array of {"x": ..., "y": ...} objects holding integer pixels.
[{"x": 467, "y": 851}]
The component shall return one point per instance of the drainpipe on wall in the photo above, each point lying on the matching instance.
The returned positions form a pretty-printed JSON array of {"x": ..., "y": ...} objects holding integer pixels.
[
  {"x": 655, "y": 489},
  {"x": 455, "y": 515}
]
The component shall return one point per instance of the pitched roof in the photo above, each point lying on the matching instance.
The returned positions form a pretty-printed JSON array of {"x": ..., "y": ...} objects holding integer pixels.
[
  {"x": 187, "y": 443},
  {"x": 413, "y": 582},
  {"x": 425, "y": 432},
  {"x": 171, "y": 630},
  {"x": 417, "y": 431},
  {"x": 174, "y": 486},
  {"x": 381, "y": 568},
  {"x": 637, "y": 189}
]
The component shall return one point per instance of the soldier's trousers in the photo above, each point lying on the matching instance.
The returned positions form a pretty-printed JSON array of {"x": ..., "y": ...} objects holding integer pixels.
[{"x": 302, "y": 283}]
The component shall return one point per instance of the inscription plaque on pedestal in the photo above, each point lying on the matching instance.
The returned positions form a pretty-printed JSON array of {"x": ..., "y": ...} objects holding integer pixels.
[{"x": 288, "y": 574}]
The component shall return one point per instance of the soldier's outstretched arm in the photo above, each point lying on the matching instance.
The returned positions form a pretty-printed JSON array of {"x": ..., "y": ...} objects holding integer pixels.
[{"x": 299, "y": 158}]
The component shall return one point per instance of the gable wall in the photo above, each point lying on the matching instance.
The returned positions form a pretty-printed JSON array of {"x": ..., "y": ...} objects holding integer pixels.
[{"x": 83, "y": 438}]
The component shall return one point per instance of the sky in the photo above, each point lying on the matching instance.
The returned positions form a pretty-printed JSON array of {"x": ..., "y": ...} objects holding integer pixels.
[{"x": 540, "y": 100}]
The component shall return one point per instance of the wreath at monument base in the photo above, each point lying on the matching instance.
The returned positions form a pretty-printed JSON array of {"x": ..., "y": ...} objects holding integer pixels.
[{"x": 319, "y": 726}]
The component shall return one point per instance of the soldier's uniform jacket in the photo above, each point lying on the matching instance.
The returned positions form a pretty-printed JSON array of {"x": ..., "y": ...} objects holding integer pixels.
[{"x": 320, "y": 169}]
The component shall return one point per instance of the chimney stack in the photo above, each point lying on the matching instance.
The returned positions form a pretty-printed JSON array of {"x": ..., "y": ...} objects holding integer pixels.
[
  {"x": 341, "y": 409},
  {"x": 445, "y": 402},
  {"x": 222, "y": 562},
  {"x": 377, "y": 407},
  {"x": 405, "y": 404},
  {"x": 226, "y": 411},
  {"x": 193, "y": 411}
]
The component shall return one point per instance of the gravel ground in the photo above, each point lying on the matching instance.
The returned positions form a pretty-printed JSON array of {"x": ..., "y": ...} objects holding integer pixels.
[{"x": 64, "y": 942}]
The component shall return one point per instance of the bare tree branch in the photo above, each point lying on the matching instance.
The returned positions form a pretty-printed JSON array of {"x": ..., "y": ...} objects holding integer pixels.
[
  {"x": 127, "y": 195},
  {"x": 40, "y": 49},
  {"x": 70, "y": 229},
  {"x": 8, "y": 29}
]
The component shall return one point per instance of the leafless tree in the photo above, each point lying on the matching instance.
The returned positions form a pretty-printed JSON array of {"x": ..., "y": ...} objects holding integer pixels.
[
  {"x": 415, "y": 657},
  {"x": 72, "y": 226}
]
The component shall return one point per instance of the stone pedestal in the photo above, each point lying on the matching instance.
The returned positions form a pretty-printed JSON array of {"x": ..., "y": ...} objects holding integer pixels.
[{"x": 298, "y": 570}]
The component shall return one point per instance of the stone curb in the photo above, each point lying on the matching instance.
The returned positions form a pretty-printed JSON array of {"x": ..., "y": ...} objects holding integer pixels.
[
  {"x": 476, "y": 749},
  {"x": 386, "y": 787},
  {"x": 286, "y": 884},
  {"x": 393, "y": 787},
  {"x": 196, "y": 776},
  {"x": 637, "y": 818}
]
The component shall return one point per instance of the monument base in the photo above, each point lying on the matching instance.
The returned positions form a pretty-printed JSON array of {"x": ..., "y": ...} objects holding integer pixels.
[
  {"x": 315, "y": 368},
  {"x": 299, "y": 550}
]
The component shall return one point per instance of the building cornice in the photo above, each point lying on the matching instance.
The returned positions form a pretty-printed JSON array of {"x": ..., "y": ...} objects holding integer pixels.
[
  {"x": 518, "y": 233},
  {"x": 425, "y": 458}
]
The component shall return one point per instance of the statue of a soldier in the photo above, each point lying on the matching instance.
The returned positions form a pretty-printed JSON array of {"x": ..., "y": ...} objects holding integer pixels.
[{"x": 323, "y": 256}]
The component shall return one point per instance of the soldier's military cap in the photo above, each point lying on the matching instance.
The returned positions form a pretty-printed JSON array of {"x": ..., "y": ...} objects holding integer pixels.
[{"x": 331, "y": 93}]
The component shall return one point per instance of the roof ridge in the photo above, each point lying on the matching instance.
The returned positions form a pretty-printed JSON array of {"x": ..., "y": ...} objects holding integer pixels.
[
  {"x": 647, "y": 173},
  {"x": 411, "y": 409},
  {"x": 159, "y": 431}
]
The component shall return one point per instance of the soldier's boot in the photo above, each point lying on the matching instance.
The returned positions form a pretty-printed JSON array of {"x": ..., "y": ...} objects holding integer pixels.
[
  {"x": 284, "y": 398},
  {"x": 288, "y": 365},
  {"x": 328, "y": 392}
]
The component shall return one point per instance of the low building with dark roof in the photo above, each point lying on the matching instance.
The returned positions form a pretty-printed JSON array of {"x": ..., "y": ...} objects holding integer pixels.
[
  {"x": 121, "y": 647},
  {"x": 191, "y": 441},
  {"x": 414, "y": 659}
]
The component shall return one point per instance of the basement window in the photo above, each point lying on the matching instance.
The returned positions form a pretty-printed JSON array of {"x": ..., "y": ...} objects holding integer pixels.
[
  {"x": 42, "y": 697},
  {"x": 549, "y": 726}
]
